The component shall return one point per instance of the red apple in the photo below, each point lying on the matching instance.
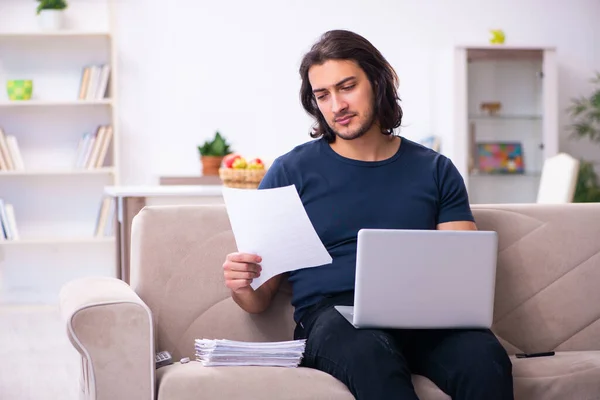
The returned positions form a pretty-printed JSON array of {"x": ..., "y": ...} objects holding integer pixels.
[{"x": 229, "y": 159}]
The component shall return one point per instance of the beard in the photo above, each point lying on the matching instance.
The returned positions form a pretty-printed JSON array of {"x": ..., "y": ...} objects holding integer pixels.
[{"x": 350, "y": 132}]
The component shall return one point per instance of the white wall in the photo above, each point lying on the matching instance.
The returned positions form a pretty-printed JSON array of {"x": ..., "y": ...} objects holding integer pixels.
[{"x": 189, "y": 68}]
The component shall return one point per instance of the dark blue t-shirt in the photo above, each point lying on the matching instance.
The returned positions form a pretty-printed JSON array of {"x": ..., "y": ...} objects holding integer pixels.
[{"x": 417, "y": 188}]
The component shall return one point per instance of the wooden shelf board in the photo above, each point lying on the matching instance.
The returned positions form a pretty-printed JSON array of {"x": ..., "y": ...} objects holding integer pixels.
[
  {"x": 488, "y": 53},
  {"x": 55, "y": 103},
  {"x": 190, "y": 180},
  {"x": 62, "y": 33},
  {"x": 59, "y": 240},
  {"x": 96, "y": 171},
  {"x": 501, "y": 117},
  {"x": 533, "y": 174}
]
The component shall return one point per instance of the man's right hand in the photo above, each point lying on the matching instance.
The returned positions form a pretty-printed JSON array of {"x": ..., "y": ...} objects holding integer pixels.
[{"x": 240, "y": 269}]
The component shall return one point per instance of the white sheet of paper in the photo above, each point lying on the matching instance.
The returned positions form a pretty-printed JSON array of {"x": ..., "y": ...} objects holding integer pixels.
[{"x": 273, "y": 224}]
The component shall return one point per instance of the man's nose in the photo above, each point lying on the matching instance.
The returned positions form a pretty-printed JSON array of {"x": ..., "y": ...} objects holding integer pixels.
[{"x": 338, "y": 104}]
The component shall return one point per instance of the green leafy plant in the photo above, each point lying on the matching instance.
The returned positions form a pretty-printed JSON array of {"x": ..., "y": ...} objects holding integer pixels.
[
  {"x": 587, "y": 189},
  {"x": 218, "y": 146},
  {"x": 585, "y": 112},
  {"x": 51, "y": 5}
]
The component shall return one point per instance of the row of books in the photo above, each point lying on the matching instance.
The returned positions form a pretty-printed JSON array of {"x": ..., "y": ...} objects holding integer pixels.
[
  {"x": 105, "y": 222},
  {"x": 10, "y": 155},
  {"x": 93, "y": 148},
  {"x": 94, "y": 82},
  {"x": 8, "y": 224}
]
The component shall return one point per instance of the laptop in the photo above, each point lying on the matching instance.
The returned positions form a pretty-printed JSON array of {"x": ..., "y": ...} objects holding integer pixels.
[{"x": 424, "y": 279}]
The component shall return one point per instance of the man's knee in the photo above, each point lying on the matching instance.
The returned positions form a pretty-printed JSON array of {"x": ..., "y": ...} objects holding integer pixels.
[
  {"x": 367, "y": 361},
  {"x": 350, "y": 344},
  {"x": 373, "y": 347},
  {"x": 485, "y": 363},
  {"x": 335, "y": 340}
]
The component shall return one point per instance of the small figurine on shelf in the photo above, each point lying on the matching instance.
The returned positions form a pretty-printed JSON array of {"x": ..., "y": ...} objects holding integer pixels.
[
  {"x": 497, "y": 36},
  {"x": 492, "y": 107},
  {"x": 50, "y": 14}
]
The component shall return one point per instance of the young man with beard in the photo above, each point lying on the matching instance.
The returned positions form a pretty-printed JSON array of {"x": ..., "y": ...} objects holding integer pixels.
[{"x": 359, "y": 174}]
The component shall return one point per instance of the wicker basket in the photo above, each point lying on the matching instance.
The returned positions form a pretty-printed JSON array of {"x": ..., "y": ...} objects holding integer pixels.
[{"x": 241, "y": 178}]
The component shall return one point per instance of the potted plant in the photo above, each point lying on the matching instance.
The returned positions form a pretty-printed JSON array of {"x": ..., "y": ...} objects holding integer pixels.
[
  {"x": 212, "y": 153},
  {"x": 50, "y": 13},
  {"x": 585, "y": 112}
]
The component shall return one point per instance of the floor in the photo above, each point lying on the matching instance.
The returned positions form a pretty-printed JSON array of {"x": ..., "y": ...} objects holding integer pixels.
[{"x": 38, "y": 361}]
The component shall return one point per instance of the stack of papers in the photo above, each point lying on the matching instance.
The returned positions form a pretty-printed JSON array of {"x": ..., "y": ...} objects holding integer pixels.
[{"x": 222, "y": 352}]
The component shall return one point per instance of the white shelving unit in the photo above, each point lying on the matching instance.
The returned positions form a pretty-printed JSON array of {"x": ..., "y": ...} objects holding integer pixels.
[
  {"x": 56, "y": 205},
  {"x": 524, "y": 81}
]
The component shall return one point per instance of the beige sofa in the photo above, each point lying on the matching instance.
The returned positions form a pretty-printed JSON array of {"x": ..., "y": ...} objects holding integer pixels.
[{"x": 548, "y": 298}]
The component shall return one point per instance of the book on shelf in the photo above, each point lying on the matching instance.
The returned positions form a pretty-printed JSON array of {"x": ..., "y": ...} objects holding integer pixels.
[
  {"x": 94, "y": 82},
  {"x": 10, "y": 154},
  {"x": 8, "y": 223},
  {"x": 92, "y": 148},
  {"x": 106, "y": 218}
]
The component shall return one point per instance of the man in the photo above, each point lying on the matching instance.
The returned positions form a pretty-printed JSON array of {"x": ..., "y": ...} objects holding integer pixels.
[{"x": 358, "y": 174}]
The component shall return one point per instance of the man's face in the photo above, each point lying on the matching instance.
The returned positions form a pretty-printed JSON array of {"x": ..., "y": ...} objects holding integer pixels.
[{"x": 344, "y": 96}]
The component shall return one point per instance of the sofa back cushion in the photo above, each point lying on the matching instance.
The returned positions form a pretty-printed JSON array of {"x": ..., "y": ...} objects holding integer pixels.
[
  {"x": 177, "y": 254},
  {"x": 548, "y": 275},
  {"x": 547, "y": 293}
]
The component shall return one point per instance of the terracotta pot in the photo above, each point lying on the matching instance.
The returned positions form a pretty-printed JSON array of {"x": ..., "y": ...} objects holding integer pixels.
[{"x": 210, "y": 165}]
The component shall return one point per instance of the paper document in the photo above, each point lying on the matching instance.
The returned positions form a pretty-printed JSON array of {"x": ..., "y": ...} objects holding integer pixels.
[
  {"x": 273, "y": 224},
  {"x": 218, "y": 353}
]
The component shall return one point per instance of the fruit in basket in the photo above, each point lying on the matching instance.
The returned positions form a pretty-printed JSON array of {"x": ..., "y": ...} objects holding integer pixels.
[
  {"x": 237, "y": 172},
  {"x": 256, "y": 164},
  {"x": 239, "y": 163},
  {"x": 229, "y": 159}
]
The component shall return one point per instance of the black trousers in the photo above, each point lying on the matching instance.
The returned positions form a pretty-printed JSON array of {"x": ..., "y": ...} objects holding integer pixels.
[{"x": 377, "y": 363}]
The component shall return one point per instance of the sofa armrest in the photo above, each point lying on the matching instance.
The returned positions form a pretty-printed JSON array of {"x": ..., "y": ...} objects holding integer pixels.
[{"x": 111, "y": 327}]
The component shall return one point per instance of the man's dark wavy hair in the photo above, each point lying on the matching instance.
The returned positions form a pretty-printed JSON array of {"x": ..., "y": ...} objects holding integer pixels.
[{"x": 346, "y": 45}]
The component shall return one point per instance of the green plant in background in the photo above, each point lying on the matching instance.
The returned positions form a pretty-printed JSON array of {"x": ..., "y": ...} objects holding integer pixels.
[
  {"x": 587, "y": 189},
  {"x": 218, "y": 146},
  {"x": 51, "y": 5},
  {"x": 585, "y": 112}
]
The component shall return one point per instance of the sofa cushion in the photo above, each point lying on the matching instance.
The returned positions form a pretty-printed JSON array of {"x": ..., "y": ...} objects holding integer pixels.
[
  {"x": 427, "y": 390},
  {"x": 192, "y": 381},
  {"x": 567, "y": 375}
]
